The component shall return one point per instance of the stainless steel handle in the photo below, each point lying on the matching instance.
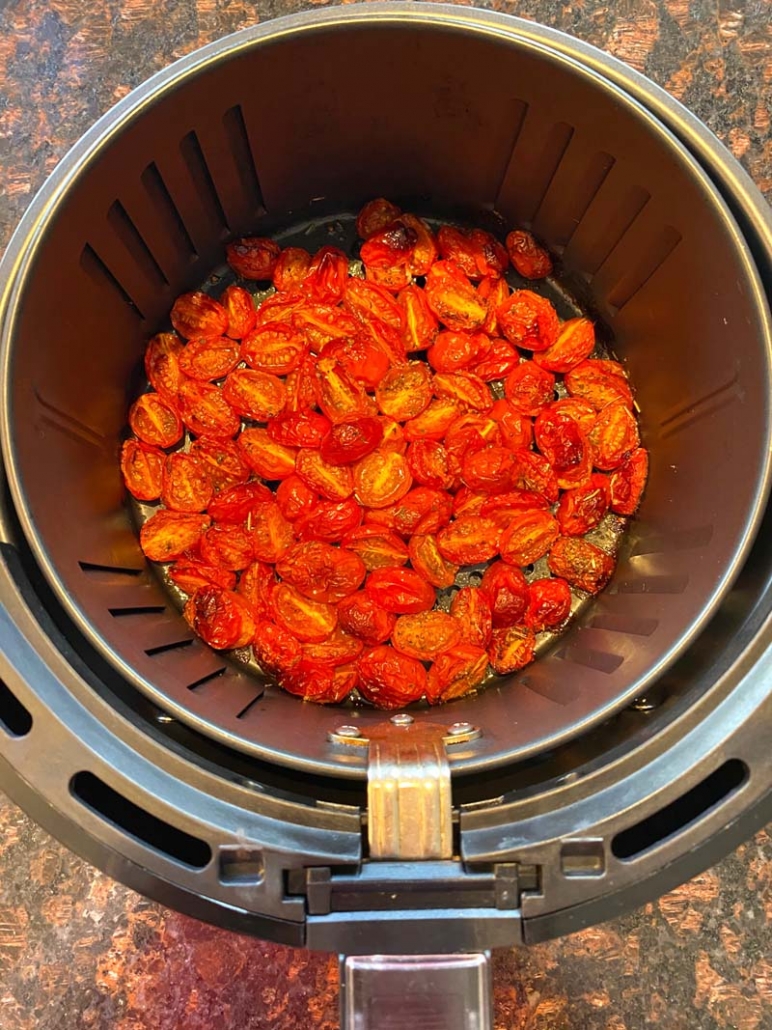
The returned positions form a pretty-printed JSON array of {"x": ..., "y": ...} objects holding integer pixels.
[{"x": 416, "y": 992}]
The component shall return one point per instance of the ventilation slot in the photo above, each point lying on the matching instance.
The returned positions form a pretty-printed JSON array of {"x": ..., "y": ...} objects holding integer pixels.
[
  {"x": 585, "y": 191},
  {"x": 130, "y": 237},
  {"x": 601, "y": 661},
  {"x": 14, "y": 717},
  {"x": 100, "y": 274},
  {"x": 248, "y": 707},
  {"x": 139, "y": 609},
  {"x": 140, "y": 824},
  {"x": 175, "y": 645},
  {"x": 603, "y": 230},
  {"x": 236, "y": 133},
  {"x": 93, "y": 569},
  {"x": 548, "y": 163},
  {"x": 166, "y": 210},
  {"x": 627, "y": 624},
  {"x": 196, "y": 684},
  {"x": 193, "y": 156},
  {"x": 654, "y": 256},
  {"x": 683, "y": 812}
]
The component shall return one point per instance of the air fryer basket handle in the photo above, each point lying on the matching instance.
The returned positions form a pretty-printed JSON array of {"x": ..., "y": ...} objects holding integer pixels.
[{"x": 390, "y": 992}]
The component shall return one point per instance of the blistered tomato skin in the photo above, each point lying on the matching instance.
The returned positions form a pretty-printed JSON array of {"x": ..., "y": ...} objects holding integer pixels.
[{"x": 330, "y": 458}]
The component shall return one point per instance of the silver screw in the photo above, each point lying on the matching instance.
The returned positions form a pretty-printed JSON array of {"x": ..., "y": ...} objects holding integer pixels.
[
  {"x": 402, "y": 719},
  {"x": 460, "y": 727},
  {"x": 348, "y": 731}
]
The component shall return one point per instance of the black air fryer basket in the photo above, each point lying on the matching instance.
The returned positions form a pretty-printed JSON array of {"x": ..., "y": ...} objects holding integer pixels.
[{"x": 630, "y": 756}]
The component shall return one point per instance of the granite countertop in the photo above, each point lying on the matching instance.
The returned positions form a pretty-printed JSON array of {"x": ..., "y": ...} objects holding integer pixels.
[{"x": 80, "y": 951}]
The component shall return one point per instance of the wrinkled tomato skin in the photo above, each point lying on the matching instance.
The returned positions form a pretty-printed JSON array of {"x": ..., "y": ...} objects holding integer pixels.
[
  {"x": 389, "y": 679},
  {"x": 535, "y": 473},
  {"x": 322, "y": 684},
  {"x": 528, "y": 537},
  {"x": 425, "y": 635},
  {"x": 360, "y": 358},
  {"x": 310, "y": 621},
  {"x": 197, "y": 314},
  {"x": 205, "y": 411},
  {"x": 190, "y": 575},
  {"x": 399, "y": 590},
  {"x": 455, "y": 673},
  {"x": 472, "y": 607},
  {"x": 329, "y": 520},
  {"x": 575, "y": 343},
  {"x": 565, "y": 447},
  {"x": 253, "y": 257},
  {"x": 582, "y": 508},
  {"x": 348, "y": 442},
  {"x": 221, "y": 618},
  {"x": 453, "y": 299},
  {"x": 581, "y": 563},
  {"x": 142, "y": 467},
  {"x": 600, "y": 382},
  {"x": 154, "y": 421},
  {"x": 162, "y": 365},
  {"x": 429, "y": 464},
  {"x": 476, "y": 252},
  {"x": 528, "y": 321},
  {"x": 500, "y": 360},
  {"x": 291, "y": 268},
  {"x": 628, "y": 481},
  {"x": 421, "y": 326},
  {"x": 322, "y": 572},
  {"x": 361, "y": 616},
  {"x": 338, "y": 395},
  {"x": 295, "y": 498},
  {"x": 454, "y": 351},
  {"x": 187, "y": 485},
  {"x": 529, "y": 388},
  {"x": 304, "y": 428},
  {"x": 375, "y": 216},
  {"x": 528, "y": 257},
  {"x": 516, "y": 430},
  {"x": 377, "y": 546},
  {"x": 516, "y": 502},
  {"x": 340, "y": 648},
  {"x": 469, "y": 540},
  {"x": 467, "y": 389},
  {"x": 227, "y": 546},
  {"x": 334, "y": 482},
  {"x": 276, "y": 649},
  {"x": 434, "y": 421},
  {"x": 507, "y": 591},
  {"x": 549, "y": 604},
  {"x": 256, "y": 585},
  {"x": 511, "y": 649},
  {"x": 426, "y": 559},
  {"x": 167, "y": 535},
  {"x": 489, "y": 471},
  {"x": 272, "y": 535},
  {"x": 237, "y": 503},
  {"x": 613, "y": 437}
]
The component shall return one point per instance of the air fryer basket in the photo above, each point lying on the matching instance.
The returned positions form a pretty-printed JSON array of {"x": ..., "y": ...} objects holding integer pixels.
[
  {"x": 188, "y": 778},
  {"x": 640, "y": 231}
]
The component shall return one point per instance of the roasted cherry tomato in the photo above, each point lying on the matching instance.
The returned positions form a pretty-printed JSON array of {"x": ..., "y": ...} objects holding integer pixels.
[
  {"x": 377, "y": 546},
  {"x": 472, "y": 607},
  {"x": 361, "y": 358},
  {"x": 469, "y": 540},
  {"x": 489, "y": 470},
  {"x": 549, "y": 604},
  {"x": 308, "y": 620},
  {"x": 581, "y": 563},
  {"x": 276, "y": 649},
  {"x": 206, "y": 412},
  {"x": 434, "y": 421},
  {"x": 401, "y": 591},
  {"x": 476, "y": 252},
  {"x": 190, "y": 574},
  {"x": 320, "y": 683},
  {"x": 389, "y": 679},
  {"x": 498, "y": 362},
  {"x": 361, "y": 616},
  {"x": 467, "y": 389},
  {"x": 426, "y": 559},
  {"x": 529, "y": 388},
  {"x": 511, "y": 649},
  {"x": 291, "y": 268},
  {"x": 264, "y": 456},
  {"x": 453, "y": 299},
  {"x": 274, "y": 347},
  {"x": 272, "y": 535},
  {"x": 162, "y": 364},
  {"x": 236, "y": 504},
  {"x": 187, "y": 485},
  {"x": 454, "y": 351},
  {"x": 404, "y": 392},
  {"x": 167, "y": 535},
  {"x": 421, "y": 325},
  {"x": 295, "y": 498},
  {"x": 329, "y": 520},
  {"x": 347, "y": 442},
  {"x": 223, "y": 461},
  {"x": 338, "y": 395},
  {"x": 142, "y": 467},
  {"x": 381, "y": 478},
  {"x": 155, "y": 421},
  {"x": 528, "y": 257},
  {"x": 197, "y": 314},
  {"x": 528, "y": 537},
  {"x": 516, "y": 429},
  {"x": 599, "y": 382},
  {"x": 614, "y": 436},
  {"x": 322, "y": 572},
  {"x": 426, "y": 634},
  {"x": 227, "y": 546},
  {"x": 256, "y": 585},
  {"x": 304, "y": 428},
  {"x": 208, "y": 358},
  {"x": 575, "y": 342},
  {"x": 528, "y": 320},
  {"x": 340, "y": 648},
  {"x": 253, "y": 257},
  {"x": 327, "y": 275},
  {"x": 429, "y": 464},
  {"x": 582, "y": 508},
  {"x": 375, "y": 215},
  {"x": 425, "y": 248},
  {"x": 565, "y": 447},
  {"x": 506, "y": 589},
  {"x": 221, "y": 618},
  {"x": 255, "y": 395},
  {"x": 627, "y": 482},
  {"x": 456, "y": 672},
  {"x": 335, "y": 482},
  {"x": 242, "y": 316}
]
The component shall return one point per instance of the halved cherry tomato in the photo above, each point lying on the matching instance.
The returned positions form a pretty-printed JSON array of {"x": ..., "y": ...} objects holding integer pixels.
[
  {"x": 142, "y": 467},
  {"x": 614, "y": 436},
  {"x": 434, "y": 421},
  {"x": 256, "y": 395},
  {"x": 528, "y": 537},
  {"x": 529, "y": 388},
  {"x": 498, "y": 362},
  {"x": 421, "y": 326},
  {"x": 506, "y": 589},
  {"x": 528, "y": 320},
  {"x": 489, "y": 470},
  {"x": 338, "y": 395},
  {"x": 581, "y": 563},
  {"x": 600, "y": 382},
  {"x": 227, "y": 546},
  {"x": 361, "y": 616},
  {"x": 272, "y": 535},
  {"x": 264, "y": 456},
  {"x": 575, "y": 342},
  {"x": 425, "y": 248},
  {"x": 469, "y": 540},
  {"x": 377, "y": 546},
  {"x": 304, "y": 428},
  {"x": 467, "y": 389},
  {"x": 452, "y": 352},
  {"x": 256, "y": 584},
  {"x": 327, "y": 275},
  {"x": 429, "y": 464},
  {"x": 167, "y": 535},
  {"x": 322, "y": 572},
  {"x": 155, "y": 421},
  {"x": 401, "y": 591},
  {"x": 329, "y": 520},
  {"x": 223, "y": 461},
  {"x": 628, "y": 481},
  {"x": 453, "y": 299},
  {"x": 421, "y": 510},
  {"x": 425, "y": 634},
  {"x": 253, "y": 257},
  {"x": 367, "y": 301},
  {"x": 190, "y": 574},
  {"x": 236, "y": 504},
  {"x": 295, "y": 498},
  {"x": 476, "y": 252},
  {"x": 529, "y": 258},
  {"x": 291, "y": 268},
  {"x": 456, "y": 672},
  {"x": 187, "y": 485},
  {"x": 273, "y": 347},
  {"x": 206, "y": 412},
  {"x": 339, "y": 648},
  {"x": 472, "y": 607},
  {"x": 381, "y": 478},
  {"x": 320, "y": 683},
  {"x": 242, "y": 316},
  {"x": 309, "y": 621},
  {"x": 361, "y": 358},
  {"x": 276, "y": 649},
  {"x": 208, "y": 358},
  {"x": 511, "y": 649},
  {"x": 429, "y": 562},
  {"x": 404, "y": 392},
  {"x": 162, "y": 364},
  {"x": 335, "y": 482},
  {"x": 197, "y": 314},
  {"x": 220, "y": 617},
  {"x": 349, "y": 441},
  {"x": 582, "y": 508},
  {"x": 375, "y": 215}
]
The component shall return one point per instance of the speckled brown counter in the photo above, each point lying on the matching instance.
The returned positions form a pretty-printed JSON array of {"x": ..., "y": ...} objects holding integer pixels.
[{"x": 79, "y": 951}]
